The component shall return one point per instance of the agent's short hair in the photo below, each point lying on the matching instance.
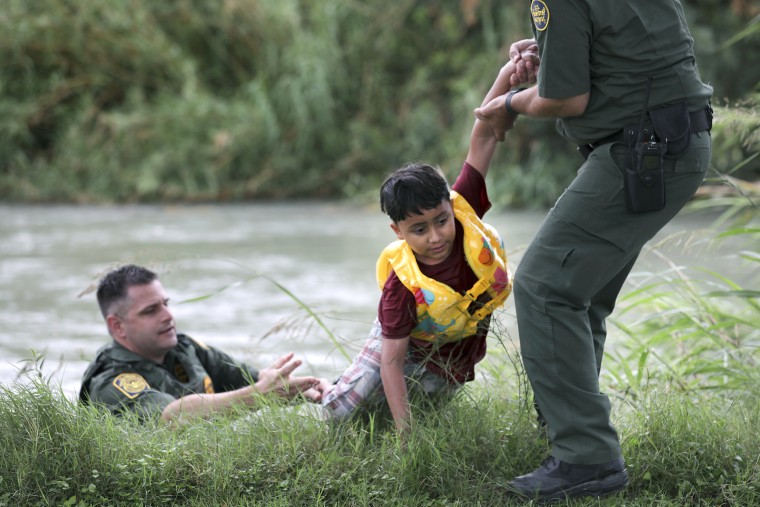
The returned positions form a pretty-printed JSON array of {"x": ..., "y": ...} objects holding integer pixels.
[
  {"x": 411, "y": 190},
  {"x": 113, "y": 287}
]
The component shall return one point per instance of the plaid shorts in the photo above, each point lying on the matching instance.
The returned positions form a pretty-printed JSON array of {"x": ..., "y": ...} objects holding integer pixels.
[{"x": 361, "y": 384}]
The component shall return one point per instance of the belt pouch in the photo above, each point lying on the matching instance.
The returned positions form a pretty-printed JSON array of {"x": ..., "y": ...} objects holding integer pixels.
[{"x": 672, "y": 126}]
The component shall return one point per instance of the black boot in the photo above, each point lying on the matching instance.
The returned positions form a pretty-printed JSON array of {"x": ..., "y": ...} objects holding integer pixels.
[{"x": 556, "y": 480}]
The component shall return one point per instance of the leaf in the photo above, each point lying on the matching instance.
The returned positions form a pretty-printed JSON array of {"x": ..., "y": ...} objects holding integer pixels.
[
  {"x": 739, "y": 231},
  {"x": 734, "y": 293}
]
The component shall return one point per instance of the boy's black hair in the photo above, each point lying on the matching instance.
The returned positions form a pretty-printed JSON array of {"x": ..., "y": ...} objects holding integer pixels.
[
  {"x": 114, "y": 286},
  {"x": 411, "y": 190}
]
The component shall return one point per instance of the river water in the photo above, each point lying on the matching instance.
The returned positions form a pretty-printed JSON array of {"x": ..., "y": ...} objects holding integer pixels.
[{"x": 321, "y": 255}]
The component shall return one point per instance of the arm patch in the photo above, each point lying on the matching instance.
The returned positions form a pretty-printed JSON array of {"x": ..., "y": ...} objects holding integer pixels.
[{"x": 130, "y": 384}]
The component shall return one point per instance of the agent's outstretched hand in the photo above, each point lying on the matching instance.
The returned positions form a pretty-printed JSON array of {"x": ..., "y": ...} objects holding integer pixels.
[{"x": 277, "y": 379}]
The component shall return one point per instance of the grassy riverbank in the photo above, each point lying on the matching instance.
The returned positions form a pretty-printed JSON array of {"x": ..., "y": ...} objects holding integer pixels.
[
  {"x": 684, "y": 382},
  {"x": 681, "y": 449}
]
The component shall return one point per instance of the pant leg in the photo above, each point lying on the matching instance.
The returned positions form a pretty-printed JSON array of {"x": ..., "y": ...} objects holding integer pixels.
[
  {"x": 601, "y": 307},
  {"x": 567, "y": 282},
  {"x": 361, "y": 385},
  {"x": 360, "y": 382}
]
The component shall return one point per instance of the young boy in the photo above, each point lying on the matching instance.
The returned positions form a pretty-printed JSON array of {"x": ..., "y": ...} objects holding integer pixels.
[{"x": 440, "y": 283}]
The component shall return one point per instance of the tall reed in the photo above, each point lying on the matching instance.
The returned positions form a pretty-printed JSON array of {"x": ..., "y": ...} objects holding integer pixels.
[{"x": 692, "y": 327}]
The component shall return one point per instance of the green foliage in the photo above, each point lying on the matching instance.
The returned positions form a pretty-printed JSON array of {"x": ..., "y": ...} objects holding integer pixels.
[
  {"x": 695, "y": 328},
  {"x": 692, "y": 447},
  {"x": 736, "y": 144},
  {"x": 680, "y": 449},
  {"x": 242, "y": 99},
  {"x": 235, "y": 100},
  {"x": 726, "y": 40}
]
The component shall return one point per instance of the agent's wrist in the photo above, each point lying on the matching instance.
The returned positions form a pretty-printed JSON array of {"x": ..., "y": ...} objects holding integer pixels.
[{"x": 508, "y": 101}]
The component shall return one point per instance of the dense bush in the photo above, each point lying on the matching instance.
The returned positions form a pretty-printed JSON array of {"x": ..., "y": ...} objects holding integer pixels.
[{"x": 242, "y": 99}]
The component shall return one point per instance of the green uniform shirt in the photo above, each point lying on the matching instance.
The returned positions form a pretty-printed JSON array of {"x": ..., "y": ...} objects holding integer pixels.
[
  {"x": 610, "y": 48},
  {"x": 123, "y": 380}
]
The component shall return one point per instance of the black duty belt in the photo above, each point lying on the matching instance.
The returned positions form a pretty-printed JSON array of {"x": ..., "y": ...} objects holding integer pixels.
[{"x": 700, "y": 121}]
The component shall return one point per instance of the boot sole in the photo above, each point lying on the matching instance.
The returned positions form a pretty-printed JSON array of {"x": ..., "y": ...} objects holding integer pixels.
[{"x": 597, "y": 489}]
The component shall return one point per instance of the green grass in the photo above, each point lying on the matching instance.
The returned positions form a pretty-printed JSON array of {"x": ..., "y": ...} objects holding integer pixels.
[{"x": 682, "y": 448}]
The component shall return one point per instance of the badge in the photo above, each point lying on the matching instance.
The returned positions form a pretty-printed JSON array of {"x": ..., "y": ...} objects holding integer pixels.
[
  {"x": 208, "y": 385},
  {"x": 540, "y": 13},
  {"x": 180, "y": 373},
  {"x": 131, "y": 384}
]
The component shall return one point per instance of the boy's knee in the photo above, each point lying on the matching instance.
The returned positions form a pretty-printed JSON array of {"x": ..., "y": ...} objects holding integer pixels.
[
  {"x": 340, "y": 402},
  {"x": 335, "y": 413}
]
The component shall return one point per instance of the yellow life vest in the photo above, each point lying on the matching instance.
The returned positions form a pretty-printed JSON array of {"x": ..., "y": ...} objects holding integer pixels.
[{"x": 444, "y": 315}]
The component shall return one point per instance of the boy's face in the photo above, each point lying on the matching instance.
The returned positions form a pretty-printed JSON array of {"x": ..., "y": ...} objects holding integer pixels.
[{"x": 430, "y": 235}]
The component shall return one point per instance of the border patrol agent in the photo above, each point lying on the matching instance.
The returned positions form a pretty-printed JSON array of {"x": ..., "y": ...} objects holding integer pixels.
[
  {"x": 123, "y": 380},
  {"x": 622, "y": 79},
  {"x": 155, "y": 372}
]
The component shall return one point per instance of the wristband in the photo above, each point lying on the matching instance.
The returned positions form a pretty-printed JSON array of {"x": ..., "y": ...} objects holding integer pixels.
[{"x": 508, "y": 101}]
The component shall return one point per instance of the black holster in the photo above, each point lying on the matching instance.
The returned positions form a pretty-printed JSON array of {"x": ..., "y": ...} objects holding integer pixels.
[{"x": 665, "y": 134}]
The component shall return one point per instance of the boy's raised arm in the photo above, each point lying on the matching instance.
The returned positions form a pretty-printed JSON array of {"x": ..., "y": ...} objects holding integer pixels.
[
  {"x": 501, "y": 84},
  {"x": 521, "y": 68},
  {"x": 485, "y": 136}
]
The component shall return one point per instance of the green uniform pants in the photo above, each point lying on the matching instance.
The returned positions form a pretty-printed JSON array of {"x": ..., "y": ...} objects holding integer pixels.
[{"x": 567, "y": 283}]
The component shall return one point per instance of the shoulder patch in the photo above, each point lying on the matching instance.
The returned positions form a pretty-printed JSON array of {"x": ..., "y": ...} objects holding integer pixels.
[
  {"x": 130, "y": 384},
  {"x": 540, "y": 14}
]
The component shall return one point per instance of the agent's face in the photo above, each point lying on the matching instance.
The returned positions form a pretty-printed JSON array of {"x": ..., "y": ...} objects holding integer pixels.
[
  {"x": 144, "y": 324},
  {"x": 430, "y": 235}
]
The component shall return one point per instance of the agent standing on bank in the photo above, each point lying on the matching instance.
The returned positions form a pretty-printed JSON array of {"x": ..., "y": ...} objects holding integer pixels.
[{"x": 622, "y": 79}]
